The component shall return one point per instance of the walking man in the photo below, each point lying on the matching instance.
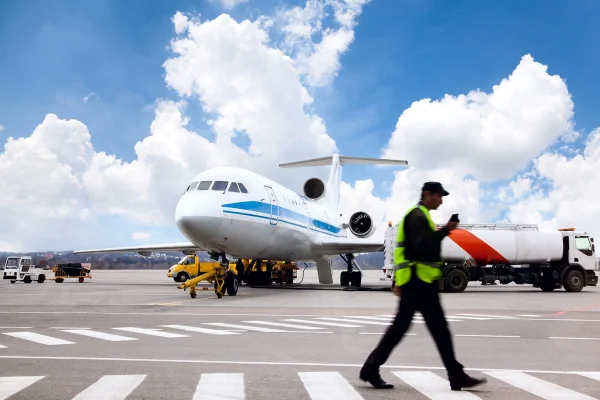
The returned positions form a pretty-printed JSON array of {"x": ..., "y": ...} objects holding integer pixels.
[{"x": 417, "y": 259}]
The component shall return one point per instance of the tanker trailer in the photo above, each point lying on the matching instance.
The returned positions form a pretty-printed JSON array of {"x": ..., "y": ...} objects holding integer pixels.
[{"x": 523, "y": 254}]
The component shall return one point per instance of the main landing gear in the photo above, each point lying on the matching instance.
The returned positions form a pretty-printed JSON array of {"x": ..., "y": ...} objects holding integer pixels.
[{"x": 350, "y": 277}]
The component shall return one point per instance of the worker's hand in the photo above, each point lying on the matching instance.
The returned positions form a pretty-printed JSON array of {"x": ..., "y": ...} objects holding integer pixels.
[
  {"x": 397, "y": 291},
  {"x": 451, "y": 225}
]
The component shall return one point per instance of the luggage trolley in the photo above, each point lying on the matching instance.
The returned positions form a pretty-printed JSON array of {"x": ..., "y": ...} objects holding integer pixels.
[{"x": 71, "y": 270}]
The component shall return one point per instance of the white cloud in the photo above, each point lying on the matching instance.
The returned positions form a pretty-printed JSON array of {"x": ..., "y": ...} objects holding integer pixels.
[
  {"x": 479, "y": 137},
  {"x": 229, "y": 4},
  {"x": 140, "y": 235}
]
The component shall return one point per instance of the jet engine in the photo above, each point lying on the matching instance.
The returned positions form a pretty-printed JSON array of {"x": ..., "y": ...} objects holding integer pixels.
[
  {"x": 361, "y": 225},
  {"x": 314, "y": 188}
]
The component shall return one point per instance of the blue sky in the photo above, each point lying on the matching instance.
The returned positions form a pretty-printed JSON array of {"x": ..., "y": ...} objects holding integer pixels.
[{"x": 60, "y": 51}]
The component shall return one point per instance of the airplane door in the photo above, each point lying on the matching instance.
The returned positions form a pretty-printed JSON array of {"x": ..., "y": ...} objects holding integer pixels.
[{"x": 274, "y": 206}]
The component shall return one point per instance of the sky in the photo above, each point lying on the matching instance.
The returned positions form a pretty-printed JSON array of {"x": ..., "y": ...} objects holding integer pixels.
[{"x": 109, "y": 108}]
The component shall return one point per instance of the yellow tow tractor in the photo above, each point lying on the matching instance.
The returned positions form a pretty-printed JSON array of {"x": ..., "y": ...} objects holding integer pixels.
[{"x": 223, "y": 276}]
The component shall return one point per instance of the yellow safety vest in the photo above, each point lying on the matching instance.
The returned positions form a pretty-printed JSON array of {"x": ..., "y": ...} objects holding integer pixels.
[{"x": 426, "y": 271}]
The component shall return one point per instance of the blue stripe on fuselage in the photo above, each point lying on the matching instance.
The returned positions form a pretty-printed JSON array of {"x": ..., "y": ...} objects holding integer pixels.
[{"x": 292, "y": 217}]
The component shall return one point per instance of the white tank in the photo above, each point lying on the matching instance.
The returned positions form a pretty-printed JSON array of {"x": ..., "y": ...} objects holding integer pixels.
[{"x": 496, "y": 244}]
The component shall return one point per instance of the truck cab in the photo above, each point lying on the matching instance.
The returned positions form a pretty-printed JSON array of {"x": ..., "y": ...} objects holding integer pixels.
[
  {"x": 190, "y": 267},
  {"x": 22, "y": 269}
]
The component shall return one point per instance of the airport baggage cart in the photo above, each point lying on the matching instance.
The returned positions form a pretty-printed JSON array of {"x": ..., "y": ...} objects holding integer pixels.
[{"x": 71, "y": 270}]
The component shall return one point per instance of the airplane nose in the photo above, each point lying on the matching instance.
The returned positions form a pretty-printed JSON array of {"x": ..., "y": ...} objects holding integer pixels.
[{"x": 198, "y": 218}]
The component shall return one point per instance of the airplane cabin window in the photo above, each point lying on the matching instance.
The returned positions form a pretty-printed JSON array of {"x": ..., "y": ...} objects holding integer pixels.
[
  {"x": 204, "y": 185},
  {"x": 192, "y": 186},
  {"x": 242, "y": 188},
  {"x": 220, "y": 185},
  {"x": 233, "y": 187}
]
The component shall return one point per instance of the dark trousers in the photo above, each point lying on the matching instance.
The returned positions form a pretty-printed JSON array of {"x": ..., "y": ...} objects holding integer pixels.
[{"x": 421, "y": 296}]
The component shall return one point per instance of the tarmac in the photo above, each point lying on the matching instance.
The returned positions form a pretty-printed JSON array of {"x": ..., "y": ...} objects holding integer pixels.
[{"x": 134, "y": 335}]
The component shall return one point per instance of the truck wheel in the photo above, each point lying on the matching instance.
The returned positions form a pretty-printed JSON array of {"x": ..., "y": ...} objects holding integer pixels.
[
  {"x": 182, "y": 277},
  {"x": 27, "y": 279},
  {"x": 456, "y": 281},
  {"x": 41, "y": 278},
  {"x": 573, "y": 281}
]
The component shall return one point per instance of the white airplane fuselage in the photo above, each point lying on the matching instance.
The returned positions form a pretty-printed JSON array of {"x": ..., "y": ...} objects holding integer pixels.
[{"x": 269, "y": 222}]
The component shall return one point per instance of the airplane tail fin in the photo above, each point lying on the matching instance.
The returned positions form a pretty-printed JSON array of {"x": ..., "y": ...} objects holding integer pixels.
[{"x": 332, "y": 195}]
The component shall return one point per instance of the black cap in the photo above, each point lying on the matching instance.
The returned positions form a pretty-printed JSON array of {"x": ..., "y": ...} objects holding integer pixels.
[{"x": 434, "y": 187}]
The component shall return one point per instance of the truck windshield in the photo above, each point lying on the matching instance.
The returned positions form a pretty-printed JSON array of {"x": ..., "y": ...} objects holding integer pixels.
[
  {"x": 186, "y": 260},
  {"x": 12, "y": 262}
]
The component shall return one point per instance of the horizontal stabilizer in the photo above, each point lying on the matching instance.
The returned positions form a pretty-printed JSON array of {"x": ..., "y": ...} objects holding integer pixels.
[
  {"x": 331, "y": 246},
  {"x": 183, "y": 246},
  {"x": 322, "y": 161}
]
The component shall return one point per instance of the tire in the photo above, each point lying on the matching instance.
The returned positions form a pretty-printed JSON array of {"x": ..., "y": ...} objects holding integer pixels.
[
  {"x": 27, "y": 279},
  {"x": 356, "y": 278},
  {"x": 232, "y": 285},
  {"x": 41, "y": 278},
  {"x": 182, "y": 277},
  {"x": 344, "y": 278},
  {"x": 456, "y": 281},
  {"x": 573, "y": 281}
]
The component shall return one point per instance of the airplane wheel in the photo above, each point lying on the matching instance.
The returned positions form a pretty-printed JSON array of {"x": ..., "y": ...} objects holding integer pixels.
[
  {"x": 344, "y": 278},
  {"x": 232, "y": 285},
  {"x": 356, "y": 278}
]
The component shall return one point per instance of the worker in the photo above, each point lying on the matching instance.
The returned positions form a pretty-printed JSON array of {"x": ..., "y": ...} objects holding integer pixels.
[{"x": 417, "y": 264}]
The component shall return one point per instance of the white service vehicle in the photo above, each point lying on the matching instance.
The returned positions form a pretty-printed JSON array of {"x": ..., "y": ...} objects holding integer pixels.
[
  {"x": 523, "y": 254},
  {"x": 22, "y": 269}
]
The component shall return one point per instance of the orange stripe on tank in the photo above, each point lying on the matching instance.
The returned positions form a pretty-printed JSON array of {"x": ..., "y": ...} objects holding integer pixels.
[{"x": 481, "y": 252}]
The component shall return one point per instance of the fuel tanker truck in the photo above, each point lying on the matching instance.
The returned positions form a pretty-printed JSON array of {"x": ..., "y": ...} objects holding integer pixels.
[{"x": 523, "y": 254}]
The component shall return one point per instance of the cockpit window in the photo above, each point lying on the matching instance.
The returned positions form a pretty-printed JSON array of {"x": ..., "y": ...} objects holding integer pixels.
[
  {"x": 233, "y": 187},
  {"x": 204, "y": 185},
  {"x": 192, "y": 186},
  {"x": 220, "y": 185},
  {"x": 242, "y": 188}
]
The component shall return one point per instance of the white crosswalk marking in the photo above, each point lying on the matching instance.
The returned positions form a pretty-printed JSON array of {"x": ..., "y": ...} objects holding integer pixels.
[
  {"x": 38, "y": 338},
  {"x": 323, "y": 385},
  {"x": 355, "y": 321},
  {"x": 201, "y": 330},
  {"x": 369, "y": 317},
  {"x": 220, "y": 387},
  {"x": 328, "y": 386},
  {"x": 307, "y": 321},
  {"x": 544, "y": 389},
  {"x": 432, "y": 385},
  {"x": 152, "y": 332},
  {"x": 10, "y": 385},
  {"x": 591, "y": 375},
  {"x": 244, "y": 327},
  {"x": 284, "y": 325},
  {"x": 487, "y": 316},
  {"x": 111, "y": 387},
  {"x": 99, "y": 335}
]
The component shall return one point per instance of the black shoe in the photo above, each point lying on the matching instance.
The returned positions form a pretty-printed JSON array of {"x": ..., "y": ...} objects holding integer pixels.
[
  {"x": 376, "y": 381},
  {"x": 467, "y": 382}
]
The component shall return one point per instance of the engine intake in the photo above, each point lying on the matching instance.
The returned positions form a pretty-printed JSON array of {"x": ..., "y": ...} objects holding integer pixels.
[
  {"x": 361, "y": 224},
  {"x": 314, "y": 188}
]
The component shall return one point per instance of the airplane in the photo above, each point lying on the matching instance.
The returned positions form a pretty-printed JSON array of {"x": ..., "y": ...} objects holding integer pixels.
[{"x": 237, "y": 212}]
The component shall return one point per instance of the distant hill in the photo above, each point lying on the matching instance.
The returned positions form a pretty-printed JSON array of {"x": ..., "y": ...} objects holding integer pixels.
[{"x": 158, "y": 260}]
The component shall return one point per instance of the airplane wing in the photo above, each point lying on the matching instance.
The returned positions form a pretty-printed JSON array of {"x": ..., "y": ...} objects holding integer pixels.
[
  {"x": 146, "y": 250},
  {"x": 331, "y": 246}
]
